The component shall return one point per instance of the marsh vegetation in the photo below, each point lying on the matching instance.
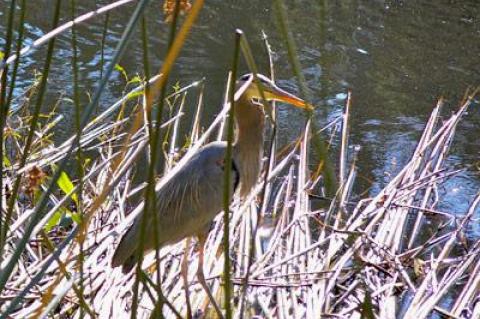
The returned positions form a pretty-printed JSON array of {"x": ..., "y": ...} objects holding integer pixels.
[{"x": 305, "y": 243}]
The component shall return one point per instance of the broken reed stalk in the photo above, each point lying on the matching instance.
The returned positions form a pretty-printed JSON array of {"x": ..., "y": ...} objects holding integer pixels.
[{"x": 344, "y": 143}]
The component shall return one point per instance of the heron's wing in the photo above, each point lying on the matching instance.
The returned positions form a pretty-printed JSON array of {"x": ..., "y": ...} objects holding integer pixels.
[{"x": 184, "y": 206}]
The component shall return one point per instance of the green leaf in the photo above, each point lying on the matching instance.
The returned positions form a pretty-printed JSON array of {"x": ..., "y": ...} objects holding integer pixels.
[
  {"x": 63, "y": 217},
  {"x": 2, "y": 55},
  {"x": 53, "y": 221},
  {"x": 120, "y": 69},
  {"x": 66, "y": 186}
]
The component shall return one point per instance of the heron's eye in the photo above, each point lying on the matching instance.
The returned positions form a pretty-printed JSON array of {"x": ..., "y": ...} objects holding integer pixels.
[{"x": 245, "y": 77}]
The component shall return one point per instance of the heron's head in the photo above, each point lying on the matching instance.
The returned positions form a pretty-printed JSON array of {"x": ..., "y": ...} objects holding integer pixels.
[{"x": 270, "y": 90}]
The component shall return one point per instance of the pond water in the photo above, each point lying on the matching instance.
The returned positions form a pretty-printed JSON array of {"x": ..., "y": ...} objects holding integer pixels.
[{"x": 397, "y": 57}]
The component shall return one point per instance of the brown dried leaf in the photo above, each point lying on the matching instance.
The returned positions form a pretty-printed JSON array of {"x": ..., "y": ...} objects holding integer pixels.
[
  {"x": 35, "y": 177},
  {"x": 169, "y": 8}
]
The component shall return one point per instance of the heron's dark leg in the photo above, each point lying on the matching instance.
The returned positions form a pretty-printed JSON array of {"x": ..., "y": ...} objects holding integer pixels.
[
  {"x": 184, "y": 271},
  {"x": 202, "y": 238}
]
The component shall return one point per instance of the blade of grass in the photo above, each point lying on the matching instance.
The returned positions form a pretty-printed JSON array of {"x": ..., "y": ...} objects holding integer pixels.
[
  {"x": 150, "y": 199},
  {"x": 344, "y": 144},
  {"x": 3, "y": 117},
  {"x": 80, "y": 172},
  {"x": 146, "y": 70},
  {"x": 146, "y": 67},
  {"x": 21, "y": 31},
  {"x": 328, "y": 171},
  {"x": 102, "y": 44}
]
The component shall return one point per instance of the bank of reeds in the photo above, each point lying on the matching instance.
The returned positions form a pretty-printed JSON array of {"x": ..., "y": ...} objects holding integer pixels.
[
  {"x": 344, "y": 261},
  {"x": 290, "y": 255}
]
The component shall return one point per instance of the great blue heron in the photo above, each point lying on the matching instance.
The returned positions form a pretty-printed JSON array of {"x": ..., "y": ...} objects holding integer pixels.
[{"x": 191, "y": 199}]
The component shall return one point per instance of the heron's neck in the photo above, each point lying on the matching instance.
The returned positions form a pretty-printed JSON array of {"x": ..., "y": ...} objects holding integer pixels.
[{"x": 248, "y": 148}]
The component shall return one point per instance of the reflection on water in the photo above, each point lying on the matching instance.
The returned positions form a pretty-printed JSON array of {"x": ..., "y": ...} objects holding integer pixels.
[{"x": 398, "y": 57}]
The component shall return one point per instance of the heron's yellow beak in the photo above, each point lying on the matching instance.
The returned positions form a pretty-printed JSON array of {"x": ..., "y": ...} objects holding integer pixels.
[
  {"x": 277, "y": 94},
  {"x": 270, "y": 91}
]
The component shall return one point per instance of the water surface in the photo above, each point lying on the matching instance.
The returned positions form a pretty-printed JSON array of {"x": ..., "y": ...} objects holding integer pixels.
[{"x": 397, "y": 57}]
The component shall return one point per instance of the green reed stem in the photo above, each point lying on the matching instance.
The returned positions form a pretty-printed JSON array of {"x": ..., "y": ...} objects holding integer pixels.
[
  {"x": 150, "y": 198},
  {"x": 18, "y": 47},
  {"x": 3, "y": 119},
  {"x": 330, "y": 180},
  {"x": 146, "y": 70},
  {"x": 227, "y": 180},
  {"x": 80, "y": 172},
  {"x": 102, "y": 44}
]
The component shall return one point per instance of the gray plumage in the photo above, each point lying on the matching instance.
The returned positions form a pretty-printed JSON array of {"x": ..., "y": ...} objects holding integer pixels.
[{"x": 185, "y": 211}]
